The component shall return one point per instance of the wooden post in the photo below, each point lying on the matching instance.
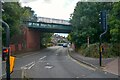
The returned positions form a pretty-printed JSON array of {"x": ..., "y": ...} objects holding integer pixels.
[{"x": 88, "y": 41}]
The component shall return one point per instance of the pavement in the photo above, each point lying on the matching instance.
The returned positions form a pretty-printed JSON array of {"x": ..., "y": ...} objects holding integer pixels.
[{"x": 108, "y": 64}]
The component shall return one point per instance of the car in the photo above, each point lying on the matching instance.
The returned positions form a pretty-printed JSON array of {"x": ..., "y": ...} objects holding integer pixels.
[
  {"x": 65, "y": 45},
  {"x": 60, "y": 44}
]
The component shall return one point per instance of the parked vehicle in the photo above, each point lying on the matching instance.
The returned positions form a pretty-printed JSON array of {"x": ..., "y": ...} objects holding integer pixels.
[{"x": 65, "y": 45}]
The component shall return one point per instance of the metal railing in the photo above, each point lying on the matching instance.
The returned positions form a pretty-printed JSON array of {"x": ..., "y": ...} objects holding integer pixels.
[{"x": 52, "y": 20}]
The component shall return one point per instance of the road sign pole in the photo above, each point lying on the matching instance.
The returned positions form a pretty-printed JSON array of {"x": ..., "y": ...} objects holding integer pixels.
[{"x": 7, "y": 30}]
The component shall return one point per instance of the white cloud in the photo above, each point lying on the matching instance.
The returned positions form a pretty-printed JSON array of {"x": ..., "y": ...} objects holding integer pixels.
[{"x": 60, "y": 9}]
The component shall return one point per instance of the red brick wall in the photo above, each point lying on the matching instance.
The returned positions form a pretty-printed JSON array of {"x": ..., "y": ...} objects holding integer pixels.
[
  {"x": 12, "y": 49},
  {"x": 32, "y": 39},
  {"x": 19, "y": 47}
]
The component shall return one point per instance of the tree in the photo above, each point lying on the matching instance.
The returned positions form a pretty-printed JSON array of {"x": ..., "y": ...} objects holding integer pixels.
[
  {"x": 45, "y": 38},
  {"x": 14, "y": 15},
  {"x": 85, "y": 20},
  {"x": 11, "y": 15},
  {"x": 115, "y": 23}
]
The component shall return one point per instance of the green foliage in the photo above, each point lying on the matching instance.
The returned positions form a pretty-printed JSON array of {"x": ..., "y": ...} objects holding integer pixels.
[
  {"x": 28, "y": 14},
  {"x": 114, "y": 49},
  {"x": 85, "y": 20},
  {"x": 91, "y": 51},
  {"x": 10, "y": 15},
  {"x": 69, "y": 37},
  {"x": 110, "y": 50},
  {"x": 14, "y": 15},
  {"x": 45, "y": 39},
  {"x": 115, "y": 23},
  {"x": 0, "y": 28}
]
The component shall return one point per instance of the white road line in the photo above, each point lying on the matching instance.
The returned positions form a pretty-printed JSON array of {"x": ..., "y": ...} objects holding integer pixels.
[
  {"x": 31, "y": 66},
  {"x": 28, "y": 66},
  {"x": 42, "y": 57},
  {"x": 30, "y": 63}
]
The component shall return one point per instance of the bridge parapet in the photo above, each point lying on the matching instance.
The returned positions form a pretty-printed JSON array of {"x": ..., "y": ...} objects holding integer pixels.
[
  {"x": 52, "y": 20},
  {"x": 50, "y": 25}
]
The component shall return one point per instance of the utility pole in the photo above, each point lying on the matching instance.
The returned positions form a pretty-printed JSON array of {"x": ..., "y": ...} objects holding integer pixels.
[
  {"x": 103, "y": 21},
  {"x": 7, "y": 30}
]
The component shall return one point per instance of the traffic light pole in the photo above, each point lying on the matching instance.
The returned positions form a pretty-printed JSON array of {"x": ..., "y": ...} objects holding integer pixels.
[
  {"x": 7, "y": 30},
  {"x": 105, "y": 27},
  {"x": 100, "y": 47}
]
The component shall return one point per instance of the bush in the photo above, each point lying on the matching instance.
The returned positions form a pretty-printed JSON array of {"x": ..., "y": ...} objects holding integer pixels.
[
  {"x": 115, "y": 49},
  {"x": 110, "y": 50}
]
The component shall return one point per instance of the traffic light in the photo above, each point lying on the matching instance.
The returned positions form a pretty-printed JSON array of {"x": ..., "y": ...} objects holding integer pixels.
[
  {"x": 103, "y": 19},
  {"x": 5, "y": 52}
]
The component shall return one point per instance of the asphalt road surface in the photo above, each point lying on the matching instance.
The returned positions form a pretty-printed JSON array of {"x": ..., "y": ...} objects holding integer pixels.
[{"x": 54, "y": 62}]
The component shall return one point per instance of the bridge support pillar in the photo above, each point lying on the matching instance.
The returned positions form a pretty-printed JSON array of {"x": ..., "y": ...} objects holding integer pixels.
[{"x": 32, "y": 39}]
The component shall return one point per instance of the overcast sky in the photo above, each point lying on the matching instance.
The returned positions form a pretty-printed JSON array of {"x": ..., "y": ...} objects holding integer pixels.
[{"x": 59, "y": 9}]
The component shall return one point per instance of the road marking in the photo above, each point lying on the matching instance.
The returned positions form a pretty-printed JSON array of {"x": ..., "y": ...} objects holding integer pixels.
[
  {"x": 30, "y": 63},
  {"x": 90, "y": 68},
  {"x": 31, "y": 66},
  {"x": 28, "y": 66},
  {"x": 49, "y": 67},
  {"x": 42, "y": 57}
]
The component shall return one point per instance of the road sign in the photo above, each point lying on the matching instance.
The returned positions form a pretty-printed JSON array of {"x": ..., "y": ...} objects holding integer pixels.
[{"x": 12, "y": 63}]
